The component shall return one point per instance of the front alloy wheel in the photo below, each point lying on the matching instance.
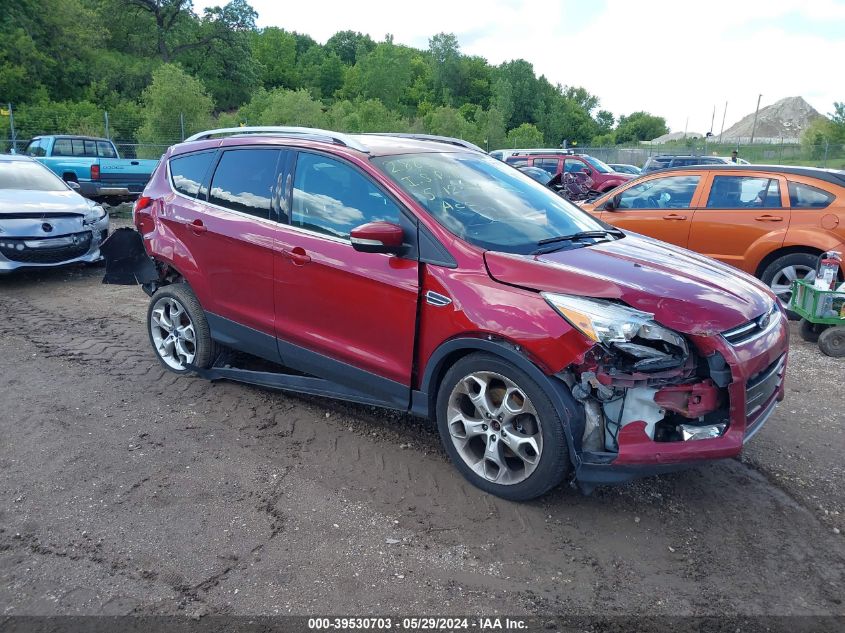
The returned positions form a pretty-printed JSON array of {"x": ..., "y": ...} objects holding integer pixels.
[
  {"x": 495, "y": 428},
  {"x": 500, "y": 428}
]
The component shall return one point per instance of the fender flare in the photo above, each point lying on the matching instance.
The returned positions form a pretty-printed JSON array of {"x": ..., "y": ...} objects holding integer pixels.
[{"x": 423, "y": 402}]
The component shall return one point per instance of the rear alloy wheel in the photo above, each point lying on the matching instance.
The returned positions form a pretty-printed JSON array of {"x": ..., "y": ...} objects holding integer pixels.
[
  {"x": 780, "y": 274},
  {"x": 500, "y": 428},
  {"x": 832, "y": 341},
  {"x": 178, "y": 329}
]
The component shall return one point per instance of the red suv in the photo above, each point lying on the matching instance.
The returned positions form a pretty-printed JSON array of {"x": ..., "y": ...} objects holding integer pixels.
[
  {"x": 562, "y": 161},
  {"x": 420, "y": 274}
]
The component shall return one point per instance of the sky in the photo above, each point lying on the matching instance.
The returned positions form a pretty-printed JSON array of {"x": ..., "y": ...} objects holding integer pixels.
[{"x": 676, "y": 59}]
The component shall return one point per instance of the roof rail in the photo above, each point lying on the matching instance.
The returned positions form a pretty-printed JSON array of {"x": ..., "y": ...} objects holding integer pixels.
[
  {"x": 430, "y": 137},
  {"x": 305, "y": 132},
  {"x": 553, "y": 152}
]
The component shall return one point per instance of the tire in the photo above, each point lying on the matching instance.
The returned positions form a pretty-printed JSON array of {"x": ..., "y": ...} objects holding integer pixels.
[
  {"x": 190, "y": 341},
  {"x": 480, "y": 438},
  {"x": 810, "y": 332},
  {"x": 779, "y": 274},
  {"x": 832, "y": 341}
]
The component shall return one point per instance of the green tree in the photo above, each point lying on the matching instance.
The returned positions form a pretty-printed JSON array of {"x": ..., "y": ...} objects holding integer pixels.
[
  {"x": 275, "y": 51},
  {"x": 384, "y": 74},
  {"x": 516, "y": 90},
  {"x": 173, "y": 94},
  {"x": 292, "y": 107},
  {"x": 447, "y": 121},
  {"x": 640, "y": 126},
  {"x": 526, "y": 135},
  {"x": 365, "y": 115},
  {"x": 489, "y": 130},
  {"x": 604, "y": 122},
  {"x": 350, "y": 46},
  {"x": 177, "y": 28},
  {"x": 445, "y": 55}
]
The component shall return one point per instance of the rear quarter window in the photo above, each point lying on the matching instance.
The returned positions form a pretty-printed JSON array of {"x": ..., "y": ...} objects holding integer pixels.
[
  {"x": 803, "y": 196},
  {"x": 188, "y": 172}
]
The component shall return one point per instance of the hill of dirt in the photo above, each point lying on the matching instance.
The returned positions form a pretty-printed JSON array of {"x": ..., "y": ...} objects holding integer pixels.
[{"x": 786, "y": 119}]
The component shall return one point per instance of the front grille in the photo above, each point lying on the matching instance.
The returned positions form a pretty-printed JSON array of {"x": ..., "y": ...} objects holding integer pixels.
[
  {"x": 752, "y": 329},
  {"x": 66, "y": 247},
  {"x": 761, "y": 387}
]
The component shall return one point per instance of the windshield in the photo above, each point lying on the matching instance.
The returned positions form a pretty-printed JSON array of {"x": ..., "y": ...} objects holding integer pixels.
[
  {"x": 486, "y": 202},
  {"x": 601, "y": 167},
  {"x": 20, "y": 174}
]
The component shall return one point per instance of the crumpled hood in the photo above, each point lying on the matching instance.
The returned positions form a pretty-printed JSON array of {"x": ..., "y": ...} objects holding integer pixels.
[
  {"x": 46, "y": 202},
  {"x": 687, "y": 292}
]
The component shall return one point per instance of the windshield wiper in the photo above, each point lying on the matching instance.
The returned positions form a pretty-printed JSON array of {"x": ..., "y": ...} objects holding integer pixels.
[{"x": 575, "y": 237}]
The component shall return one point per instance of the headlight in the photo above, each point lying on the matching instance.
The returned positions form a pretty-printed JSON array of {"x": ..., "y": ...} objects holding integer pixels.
[
  {"x": 94, "y": 215},
  {"x": 606, "y": 322}
]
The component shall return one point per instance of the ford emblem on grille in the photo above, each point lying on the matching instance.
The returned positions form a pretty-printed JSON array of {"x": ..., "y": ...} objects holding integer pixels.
[{"x": 47, "y": 227}]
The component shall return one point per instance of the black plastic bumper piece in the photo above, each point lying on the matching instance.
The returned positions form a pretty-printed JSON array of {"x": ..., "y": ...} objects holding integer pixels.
[{"x": 127, "y": 262}]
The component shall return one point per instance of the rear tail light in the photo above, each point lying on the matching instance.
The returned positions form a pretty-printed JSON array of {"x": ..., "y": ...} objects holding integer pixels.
[
  {"x": 140, "y": 204},
  {"x": 95, "y": 172}
]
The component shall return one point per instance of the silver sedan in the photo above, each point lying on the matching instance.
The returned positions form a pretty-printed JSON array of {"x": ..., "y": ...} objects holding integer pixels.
[{"x": 43, "y": 221}]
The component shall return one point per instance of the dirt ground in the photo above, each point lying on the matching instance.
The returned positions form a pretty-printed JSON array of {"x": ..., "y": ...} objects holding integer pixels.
[{"x": 127, "y": 489}]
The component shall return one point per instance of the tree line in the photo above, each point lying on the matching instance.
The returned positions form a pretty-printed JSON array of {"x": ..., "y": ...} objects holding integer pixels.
[{"x": 161, "y": 69}]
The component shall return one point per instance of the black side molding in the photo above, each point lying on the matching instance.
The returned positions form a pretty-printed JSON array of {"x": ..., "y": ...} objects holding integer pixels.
[{"x": 289, "y": 382}]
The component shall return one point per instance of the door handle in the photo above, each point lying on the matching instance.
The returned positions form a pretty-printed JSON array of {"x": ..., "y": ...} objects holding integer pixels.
[
  {"x": 769, "y": 218},
  {"x": 197, "y": 227},
  {"x": 298, "y": 255},
  {"x": 674, "y": 216}
]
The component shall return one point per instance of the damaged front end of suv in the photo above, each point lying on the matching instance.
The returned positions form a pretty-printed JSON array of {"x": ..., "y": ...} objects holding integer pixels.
[{"x": 654, "y": 399}]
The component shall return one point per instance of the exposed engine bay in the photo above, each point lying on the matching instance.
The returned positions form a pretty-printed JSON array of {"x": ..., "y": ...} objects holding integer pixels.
[{"x": 653, "y": 378}]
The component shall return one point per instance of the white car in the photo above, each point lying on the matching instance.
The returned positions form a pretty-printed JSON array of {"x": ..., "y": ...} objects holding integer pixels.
[{"x": 43, "y": 221}]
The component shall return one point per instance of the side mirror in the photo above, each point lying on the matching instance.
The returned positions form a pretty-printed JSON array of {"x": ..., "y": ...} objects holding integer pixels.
[
  {"x": 377, "y": 237},
  {"x": 612, "y": 203},
  {"x": 73, "y": 185}
]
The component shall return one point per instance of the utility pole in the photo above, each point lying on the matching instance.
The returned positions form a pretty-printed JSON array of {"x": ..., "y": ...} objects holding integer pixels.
[
  {"x": 106, "y": 117},
  {"x": 12, "y": 129},
  {"x": 724, "y": 114},
  {"x": 182, "y": 124},
  {"x": 754, "y": 126},
  {"x": 712, "y": 119}
]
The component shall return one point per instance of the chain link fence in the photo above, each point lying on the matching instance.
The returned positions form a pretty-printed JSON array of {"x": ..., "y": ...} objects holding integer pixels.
[
  {"x": 125, "y": 127},
  {"x": 822, "y": 154}
]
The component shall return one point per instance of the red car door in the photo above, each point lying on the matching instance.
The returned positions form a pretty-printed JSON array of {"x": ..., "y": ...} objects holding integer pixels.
[
  {"x": 342, "y": 314},
  {"x": 228, "y": 234}
]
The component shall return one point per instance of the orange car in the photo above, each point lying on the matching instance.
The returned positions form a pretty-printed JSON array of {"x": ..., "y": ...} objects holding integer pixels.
[{"x": 770, "y": 221}]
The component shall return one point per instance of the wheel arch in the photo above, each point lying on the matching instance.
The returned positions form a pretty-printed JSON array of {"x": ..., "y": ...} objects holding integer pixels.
[
  {"x": 780, "y": 252},
  {"x": 444, "y": 357}
]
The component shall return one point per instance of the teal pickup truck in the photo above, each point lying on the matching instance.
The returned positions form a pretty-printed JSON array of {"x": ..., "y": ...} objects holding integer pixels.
[{"x": 93, "y": 164}]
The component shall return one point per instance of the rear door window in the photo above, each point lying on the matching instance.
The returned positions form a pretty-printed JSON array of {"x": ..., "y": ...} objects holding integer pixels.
[
  {"x": 671, "y": 192},
  {"x": 333, "y": 198},
  {"x": 803, "y": 196},
  {"x": 244, "y": 181},
  {"x": 188, "y": 173},
  {"x": 744, "y": 192},
  {"x": 548, "y": 164}
]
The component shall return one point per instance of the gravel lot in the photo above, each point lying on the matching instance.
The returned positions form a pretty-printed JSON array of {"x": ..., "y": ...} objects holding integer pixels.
[{"x": 127, "y": 489}]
